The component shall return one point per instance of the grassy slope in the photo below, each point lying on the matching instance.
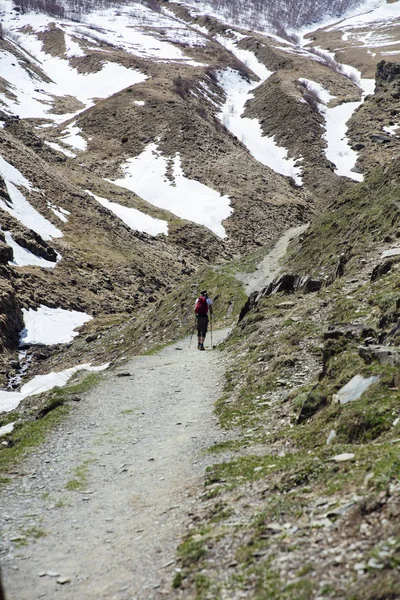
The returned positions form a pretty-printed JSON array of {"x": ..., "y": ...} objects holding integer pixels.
[{"x": 278, "y": 401}]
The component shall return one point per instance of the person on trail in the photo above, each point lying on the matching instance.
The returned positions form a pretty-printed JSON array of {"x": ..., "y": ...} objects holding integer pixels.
[{"x": 202, "y": 309}]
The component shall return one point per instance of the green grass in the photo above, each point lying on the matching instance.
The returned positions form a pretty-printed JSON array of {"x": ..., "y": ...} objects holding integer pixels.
[{"x": 79, "y": 482}]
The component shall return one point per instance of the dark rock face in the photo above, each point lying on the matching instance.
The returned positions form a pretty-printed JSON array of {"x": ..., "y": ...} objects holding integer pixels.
[
  {"x": 286, "y": 283},
  {"x": 381, "y": 269},
  {"x": 388, "y": 77},
  {"x": 11, "y": 321},
  {"x": 31, "y": 241},
  {"x": 6, "y": 253},
  {"x": 387, "y": 71}
]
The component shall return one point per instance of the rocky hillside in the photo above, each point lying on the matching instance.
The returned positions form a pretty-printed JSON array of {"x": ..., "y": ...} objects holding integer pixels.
[
  {"x": 112, "y": 117},
  {"x": 152, "y": 149},
  {"x": 143, "y": 145},
  {"x": 303, "y": 500}
]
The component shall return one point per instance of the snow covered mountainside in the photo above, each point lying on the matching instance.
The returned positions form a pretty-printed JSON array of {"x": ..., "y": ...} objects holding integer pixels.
[
  {"x": 279, "y": 15},
  {"x": 142, "y": 141}
]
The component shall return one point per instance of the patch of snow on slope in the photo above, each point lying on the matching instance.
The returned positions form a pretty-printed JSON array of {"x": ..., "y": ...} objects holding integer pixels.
[
  {"x": 42, "y": 383},
  {"x": 27, "y": 101},
  {"x": 73, "y": 48},
  {"x": 59, "y": 148},
  {"x": 248, "y": 131},
  {"x": 23, "y": 258},
  {"x": 338, "y": 149},
  {"x": 6, "y": 429},
  {"x": 71, "y": 136},
  {"x": 323, "y": 94},
  {"x": 65, "y": 80},
  {"x": 374, "y": 13},
  {"x": 51, "y": 325},
  {"x": 392, "y": 129},
  {"x": 134, "y": 218},
  {"x": 20, "y": 207},
  {"x": 130, "y": 28},
  {"x": 247, "y": 57},
  {"x": 61, "y": 213},
  {"x": 146, "y": 175}
]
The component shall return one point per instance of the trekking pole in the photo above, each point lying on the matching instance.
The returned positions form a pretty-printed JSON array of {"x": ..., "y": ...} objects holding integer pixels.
[
  {"x": 211, "y": 333},
  {"x": 191, "y": 337}
]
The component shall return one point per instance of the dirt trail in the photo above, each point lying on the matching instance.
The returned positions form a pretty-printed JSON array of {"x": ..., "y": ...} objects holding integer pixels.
[
  {"x": 139, "y": 441},
  {"x": 135, "y": 445},
  {"x": 268, "y": 268}
]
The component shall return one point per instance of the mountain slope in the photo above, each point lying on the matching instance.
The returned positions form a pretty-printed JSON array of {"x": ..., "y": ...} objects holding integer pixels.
[{"x": 141, "y": 144}]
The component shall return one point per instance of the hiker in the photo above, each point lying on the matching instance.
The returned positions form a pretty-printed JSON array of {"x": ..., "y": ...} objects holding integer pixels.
[{"x": 202, "y": 309}]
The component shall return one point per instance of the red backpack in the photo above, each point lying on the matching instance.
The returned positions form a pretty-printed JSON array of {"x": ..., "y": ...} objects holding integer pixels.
[{"x": 201, "y": 307}]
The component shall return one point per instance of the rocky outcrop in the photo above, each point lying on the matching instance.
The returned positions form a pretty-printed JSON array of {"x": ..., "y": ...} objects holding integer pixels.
[
  {"x": 11, "y": 321},
  {"x": 6, "y": 253},
  {"x": 286, "y": 283},
  {"x": 388, "y": 73},
  {"x": 370, "y": 126},
  {"x": 33, "y": 242}
]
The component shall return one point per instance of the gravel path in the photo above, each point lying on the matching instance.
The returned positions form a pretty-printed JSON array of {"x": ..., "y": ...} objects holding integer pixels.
[
  {"x": 269, "y": 268},
  {"x": 138, "y": 439}
]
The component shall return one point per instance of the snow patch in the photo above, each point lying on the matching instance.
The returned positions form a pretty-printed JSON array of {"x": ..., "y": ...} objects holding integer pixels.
[
  {"x": 42, "y": 383},
  {"x": 59, "y": 148},
  {"x": 391, "y": 129},
  {"x": 248, "y": 131},
  {"x": 134, "y": 218},
  {"x": 71, "y": 136},
  {"x": 61, "y": 213},
  {"x": 20, "y": 207},
  {"x": 338, "y": 149},
  {"x": 49, "y": 326},
  {"x": 146, "y": 175},
  {"x": 354, "y": 389},
  {"x": 6, "y": 429}
]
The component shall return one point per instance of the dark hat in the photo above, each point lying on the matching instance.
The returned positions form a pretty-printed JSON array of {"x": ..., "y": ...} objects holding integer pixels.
[{"x": 204, "y": 293}]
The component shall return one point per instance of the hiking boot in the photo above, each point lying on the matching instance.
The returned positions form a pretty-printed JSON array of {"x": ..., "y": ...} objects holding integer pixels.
[
  {"x": 198, "y": 346},
  {"x": 202, "y": 347}
]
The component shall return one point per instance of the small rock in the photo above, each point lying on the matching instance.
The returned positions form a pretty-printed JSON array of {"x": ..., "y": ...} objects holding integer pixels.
[
  {"x": 275, "y": 527},
  {"x": 331, "y": 437},
  {"x": 343, "y": 457},
  {"x": 391, "y": 252},
  {"x": 63, "y": 580},
  {"x": 52, "y": 574},
  {"x": 287, "y": 304}
]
